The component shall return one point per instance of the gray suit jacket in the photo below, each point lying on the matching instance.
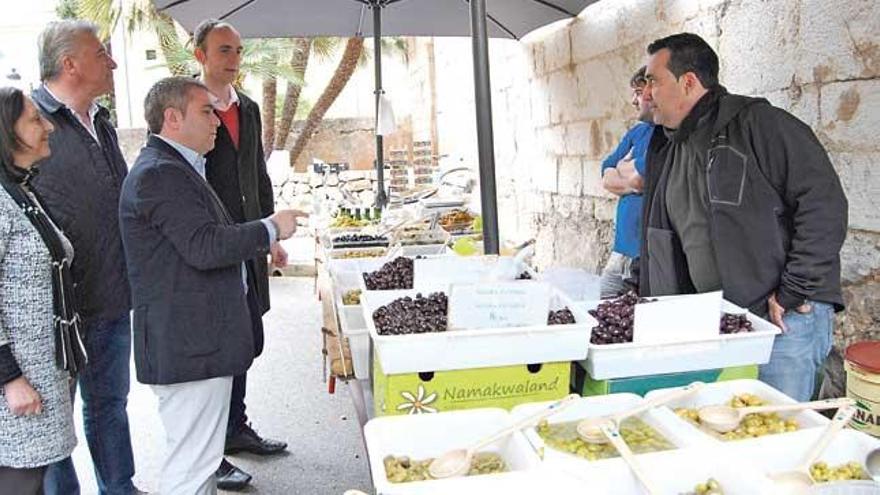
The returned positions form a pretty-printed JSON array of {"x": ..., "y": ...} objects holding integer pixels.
[{"x": 184, "y": 254}]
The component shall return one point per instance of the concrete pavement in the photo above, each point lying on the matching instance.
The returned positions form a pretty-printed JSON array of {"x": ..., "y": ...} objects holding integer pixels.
[{"x": 286, "y": 400}]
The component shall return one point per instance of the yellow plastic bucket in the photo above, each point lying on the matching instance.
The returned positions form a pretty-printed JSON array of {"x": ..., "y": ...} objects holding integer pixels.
[{"x": 863, "y": 384}]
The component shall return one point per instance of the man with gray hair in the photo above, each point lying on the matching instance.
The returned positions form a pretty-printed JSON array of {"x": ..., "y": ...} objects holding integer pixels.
[
  {"x": 80, "y": 185},
  {"x": 186, "y": 262}
]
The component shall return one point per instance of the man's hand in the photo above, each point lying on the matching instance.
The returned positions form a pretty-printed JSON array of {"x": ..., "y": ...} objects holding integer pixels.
[
  {"x": 21, "y": 397},
  {"x": 777, "y": 311},
  {"x": 279, "y": 255},
  {"x": 285, "y": 222}
]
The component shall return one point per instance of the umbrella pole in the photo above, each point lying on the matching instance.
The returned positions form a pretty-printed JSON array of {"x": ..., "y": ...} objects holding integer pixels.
[
  {"x": 381, "y": 199},
  {"x": 485, "y": 145}
]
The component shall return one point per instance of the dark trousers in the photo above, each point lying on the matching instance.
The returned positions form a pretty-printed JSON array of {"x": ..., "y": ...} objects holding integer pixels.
[
  {"x": 237, "y": 409},
  {"x": 22, "y": 481}
]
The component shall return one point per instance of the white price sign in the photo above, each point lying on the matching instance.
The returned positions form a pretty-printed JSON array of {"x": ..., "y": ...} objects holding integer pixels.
[
  {"x": 678, "y": 319},
  {"x": 499, "y": 305}
]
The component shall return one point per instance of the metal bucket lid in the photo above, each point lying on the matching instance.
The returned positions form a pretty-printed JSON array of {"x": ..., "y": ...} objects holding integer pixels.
[{"x": 865, "y": 355}]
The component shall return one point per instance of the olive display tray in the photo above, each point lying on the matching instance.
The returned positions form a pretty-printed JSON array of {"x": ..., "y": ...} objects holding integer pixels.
[
  {"x": 721, "y": 392},
  {"x": 670, "y": 428},
  {"x": 720, "y": 351},
  {"x": 423, "y": 436},
  {"x": 776, "y": 453},
  {"x": 476, "y": 348}
]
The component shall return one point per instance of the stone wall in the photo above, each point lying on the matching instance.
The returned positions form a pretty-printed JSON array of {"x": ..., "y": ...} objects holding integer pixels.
[{"x": 561, "y": 103}]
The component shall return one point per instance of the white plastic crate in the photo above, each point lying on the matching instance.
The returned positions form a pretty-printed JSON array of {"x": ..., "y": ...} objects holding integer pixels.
[
  {"x": 777, "y": 453},
  {"x": 537, "y": 481},
  {"x": 597, "y": 406},
  {"x": 721, "y": 392},
  {"x": 722, "y": 351},
  {"x": 359, "y": 345},
  {"x": 425, "y": 436},
  {"x": 679, "y": 471},
  {"x": 477, "y": 348}
]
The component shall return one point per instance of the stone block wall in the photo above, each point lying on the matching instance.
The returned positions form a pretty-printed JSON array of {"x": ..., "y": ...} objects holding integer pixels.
[{"x": 561, "y": 103}]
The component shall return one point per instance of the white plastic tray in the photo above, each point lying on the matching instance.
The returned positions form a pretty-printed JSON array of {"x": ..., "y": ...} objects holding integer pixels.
[
  {"x": 629, "y": 360},
  {"x": 543, "y": 480},
  {"x": 430, "y": 435},
  {"x": 591, "y": 407},
  {"x": 478, "y": 348},
  {"x": 721, "y": 392},
  {"x": 679, "y": 471},
  {"x": 773, "y": 453}
]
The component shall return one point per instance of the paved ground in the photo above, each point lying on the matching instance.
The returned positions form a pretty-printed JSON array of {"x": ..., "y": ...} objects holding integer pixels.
[{"x": 286, "y": 399}]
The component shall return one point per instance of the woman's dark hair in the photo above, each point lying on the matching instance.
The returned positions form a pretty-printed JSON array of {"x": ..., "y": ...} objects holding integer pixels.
[
  {"x": 638, "y": 79},
  {"x": 689, "y": 53},
  {"x": 11, "y": 108}
]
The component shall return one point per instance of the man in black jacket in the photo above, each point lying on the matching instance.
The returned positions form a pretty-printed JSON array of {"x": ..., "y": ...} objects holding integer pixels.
[
  {"x": 236, "y": 169},
  {"x": 185, "y": 259},
  {"x": 741, "y": 197},
  {"x": 80, "y": 185}
]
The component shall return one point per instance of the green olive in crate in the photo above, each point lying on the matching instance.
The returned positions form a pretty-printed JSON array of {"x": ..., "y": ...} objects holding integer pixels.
[
  {"x": 822, "y": 472},
  {"x": 404, "y": 470},
  {"x": 352, "y": 297},
  {"x": 753, "y": 425},
  {"x": 638, "y": 435},
  {"x": 710, "y": 487}
]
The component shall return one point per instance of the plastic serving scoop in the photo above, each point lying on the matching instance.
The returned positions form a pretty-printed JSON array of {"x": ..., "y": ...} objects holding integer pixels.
[
  {"x": 590, "y": 429},
  {"x": 798, "y": 481},
  {"x": 610, "y": 431},
  {"x": 723, "y": 418},
  {"x": 458, "y": 462}
]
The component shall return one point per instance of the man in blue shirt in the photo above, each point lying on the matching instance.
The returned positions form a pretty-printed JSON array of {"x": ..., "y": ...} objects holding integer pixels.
[{"x": 622, "y": 173}]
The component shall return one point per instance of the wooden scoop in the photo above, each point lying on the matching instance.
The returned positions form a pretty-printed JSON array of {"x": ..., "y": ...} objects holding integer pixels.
[
  {"x": 723, "y": 418},
  {"x": 798, "y": 480},
  {"x": 610, "y": 431},
  {"x": 590, "y": 429},
  {"x": 458, "y": 462}
]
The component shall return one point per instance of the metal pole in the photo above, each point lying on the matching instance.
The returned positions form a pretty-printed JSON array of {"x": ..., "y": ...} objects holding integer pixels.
[
  {"x": 381, "y": 199},
  {"x": 485, "y": 144}
]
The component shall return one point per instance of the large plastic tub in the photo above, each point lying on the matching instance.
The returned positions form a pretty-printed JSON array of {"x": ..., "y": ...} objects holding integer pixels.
[
  {"x": 592, "y": 407},
  {"x": 722, "y": 351},
  {"x": 477, "y": 348},
  {"x": 721, "y": 392},
  {"x": 425, "y": 436}
]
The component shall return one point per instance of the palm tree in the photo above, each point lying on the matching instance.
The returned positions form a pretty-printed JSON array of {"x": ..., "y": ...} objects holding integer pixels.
[{"x": 354, "y": 47}]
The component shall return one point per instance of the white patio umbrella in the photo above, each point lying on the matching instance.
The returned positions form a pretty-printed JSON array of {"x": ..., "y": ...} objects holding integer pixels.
[{"x": 510, "y": 19}]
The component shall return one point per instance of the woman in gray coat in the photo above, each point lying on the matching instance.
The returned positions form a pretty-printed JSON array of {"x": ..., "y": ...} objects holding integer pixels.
[{"x": 40, "y": 345}]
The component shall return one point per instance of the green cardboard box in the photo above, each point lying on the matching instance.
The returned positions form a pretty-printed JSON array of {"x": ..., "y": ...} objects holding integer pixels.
[
  {"x": 505, "y": 386},
  {"x": 585, "y": 385}
]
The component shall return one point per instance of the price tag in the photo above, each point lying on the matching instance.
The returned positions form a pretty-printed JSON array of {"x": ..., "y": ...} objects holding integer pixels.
[
  {"x": 499, "y": 305},
  {"x": 448, "y": 270},
  {"x": 678, "y": 319}
]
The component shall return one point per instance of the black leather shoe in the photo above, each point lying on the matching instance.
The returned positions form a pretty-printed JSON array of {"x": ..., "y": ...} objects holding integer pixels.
[
  {"x": 247, "y": 440},
  {"x": 231, "y": 478}
]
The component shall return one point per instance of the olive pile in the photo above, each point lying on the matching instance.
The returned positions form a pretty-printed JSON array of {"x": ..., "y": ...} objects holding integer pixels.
[
  {"x": 363, "y": 240},
  {"x": 615, "y": 319},
  {"x": 409, "y": 315},
  {"x": 403, "y": 469},
  {"x": 753, "y": 425},
  {"x": 394, "y": 275},
  {"x": 352, "y": 297},
  {"x": 640, "y": 438},
  {"x": 710, "y": 487},
  {"x": 524, "y": 276},
  {"x": 731, "y": 323},
  {"x": 560, "y": 317},
  {"x": 821, "y": 472},
  {"x": 366, "y": 253}
]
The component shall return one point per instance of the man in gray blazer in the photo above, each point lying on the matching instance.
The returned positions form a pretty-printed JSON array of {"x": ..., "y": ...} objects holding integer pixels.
[{"x": 192, "y": 327}]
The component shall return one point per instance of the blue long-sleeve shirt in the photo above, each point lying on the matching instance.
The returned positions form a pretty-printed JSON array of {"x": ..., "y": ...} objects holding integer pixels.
[{"x": 627, "y": 230}]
